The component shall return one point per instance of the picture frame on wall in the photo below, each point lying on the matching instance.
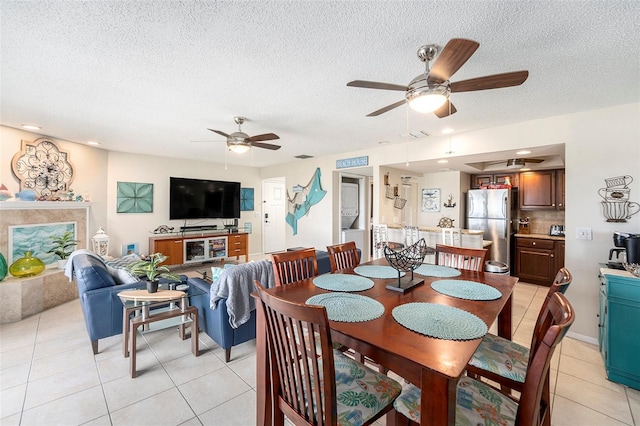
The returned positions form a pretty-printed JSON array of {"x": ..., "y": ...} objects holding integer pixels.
[{"x": 431, "y": 199}]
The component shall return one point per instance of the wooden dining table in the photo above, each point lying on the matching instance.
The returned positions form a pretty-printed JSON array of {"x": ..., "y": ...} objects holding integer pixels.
[{"x": 432, "y": 364}]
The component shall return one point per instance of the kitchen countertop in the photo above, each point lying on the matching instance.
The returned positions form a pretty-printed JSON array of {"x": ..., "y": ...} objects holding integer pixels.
[
  {"x": 540, "y": 236},
  {"x": 436, "y": 229}
]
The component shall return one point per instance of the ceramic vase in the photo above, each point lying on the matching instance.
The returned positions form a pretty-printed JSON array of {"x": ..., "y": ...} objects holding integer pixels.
[
  {"x": 152, "y": 286},
  {"x": 26, "y": 266},
  {"x": 3, "y": 267}
]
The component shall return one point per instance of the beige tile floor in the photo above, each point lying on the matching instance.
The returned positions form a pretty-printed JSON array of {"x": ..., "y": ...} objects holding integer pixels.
[{"x": 49, "y": 376}]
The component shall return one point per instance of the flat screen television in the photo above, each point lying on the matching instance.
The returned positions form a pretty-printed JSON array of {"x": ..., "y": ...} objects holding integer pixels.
[{"x": 203, "y": 199}]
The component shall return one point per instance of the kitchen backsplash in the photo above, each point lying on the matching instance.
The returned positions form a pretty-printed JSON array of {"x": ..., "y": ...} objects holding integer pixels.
[{"x": 541, "y": 220}]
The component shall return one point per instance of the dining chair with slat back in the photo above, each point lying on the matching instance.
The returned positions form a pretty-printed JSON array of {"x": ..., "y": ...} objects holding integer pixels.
[
  {"x": 505, "y": 362},
  {"x": 411, "y": 235},
  {"x": 460, "y": 257},
  {"x": 304, "y": 371},
  {"x": 343, "y": 256},
  {"x": 292, "y": 266},
  {"x": 532, "y": 409},
  {"x": 381, "y": 239},
  {"x": 452, "y": 237}
]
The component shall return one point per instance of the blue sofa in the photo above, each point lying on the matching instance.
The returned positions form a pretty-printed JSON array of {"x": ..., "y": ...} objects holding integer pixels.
[
  {"x": 215, "y": 322},
  {"x": 98, "y": 293}
]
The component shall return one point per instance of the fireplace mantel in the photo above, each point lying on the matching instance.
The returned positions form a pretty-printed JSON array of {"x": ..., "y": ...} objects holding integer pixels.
[{"x": 25, "y": 205}]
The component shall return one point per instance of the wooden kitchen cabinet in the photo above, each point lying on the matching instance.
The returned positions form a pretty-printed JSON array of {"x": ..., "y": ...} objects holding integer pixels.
[
  {"x": 543, "y": 190},
  {"x": 536, "y": 260},
  {"x": 559, "y": 254},
  {"x": 478, "y": 181},
  {"x": 560, "y": 199},
  {"x": 537, "y": 190}
]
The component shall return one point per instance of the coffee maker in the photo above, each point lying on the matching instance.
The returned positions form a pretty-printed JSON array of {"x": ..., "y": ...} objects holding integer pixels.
[{"x": 627, "y": 249}]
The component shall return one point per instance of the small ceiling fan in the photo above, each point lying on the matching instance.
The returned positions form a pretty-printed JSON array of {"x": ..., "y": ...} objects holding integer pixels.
[
  {"x": 516, "y": 163},
  {"x": 240, "y": 142},
  {"x": 429, "y": 92}
]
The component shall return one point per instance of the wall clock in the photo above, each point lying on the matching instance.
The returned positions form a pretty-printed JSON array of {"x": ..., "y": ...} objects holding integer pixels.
[{"x": 42, "y": 166}]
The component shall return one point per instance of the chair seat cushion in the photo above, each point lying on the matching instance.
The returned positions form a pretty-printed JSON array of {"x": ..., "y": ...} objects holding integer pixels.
[
  {"x": 360, "y": 391},
  {"x": 502, "y": 357},
  {"x": 476, "y": 404}
]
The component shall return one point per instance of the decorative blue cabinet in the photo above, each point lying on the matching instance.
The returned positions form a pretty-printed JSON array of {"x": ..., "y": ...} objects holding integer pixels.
[{"x": 619, "y": 335}]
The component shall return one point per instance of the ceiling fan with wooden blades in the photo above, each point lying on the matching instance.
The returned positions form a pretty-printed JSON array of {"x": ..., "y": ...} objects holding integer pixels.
[
  {"x": 516, "y": 163},
  {"x": 429, "y": 92},
  {"x": 240, "y": 142}
]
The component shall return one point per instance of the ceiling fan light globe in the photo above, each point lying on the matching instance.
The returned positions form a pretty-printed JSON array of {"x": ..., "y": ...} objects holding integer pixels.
[
  {"x": 428, "y": 102},
  {"x": 238, "y": 148}
]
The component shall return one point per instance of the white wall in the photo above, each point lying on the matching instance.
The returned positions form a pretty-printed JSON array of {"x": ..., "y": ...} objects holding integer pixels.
[
  {"x": 126, "y": 228},
  {"x": 448, "y": 183}
]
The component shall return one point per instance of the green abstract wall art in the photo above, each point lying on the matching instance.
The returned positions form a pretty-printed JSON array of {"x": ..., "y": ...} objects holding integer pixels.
[{"x": 133, "y": 197}]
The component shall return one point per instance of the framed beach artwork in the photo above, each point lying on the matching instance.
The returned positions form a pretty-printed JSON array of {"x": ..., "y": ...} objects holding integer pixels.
[
  {"x": 431, "y": 200},
  {"x": 36, "y": 238}
]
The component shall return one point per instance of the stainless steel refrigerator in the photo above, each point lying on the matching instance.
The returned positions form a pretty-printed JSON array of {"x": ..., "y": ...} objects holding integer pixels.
[{"x": 490, "y": 210}]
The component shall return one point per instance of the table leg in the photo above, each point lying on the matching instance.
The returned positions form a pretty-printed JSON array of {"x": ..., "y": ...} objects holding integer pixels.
[
  {"x": 504, "y": 319},
  {"x": 194, "y": 333},
  {"x": 132, "y": 355},
  {"x": 125, "y": 332},
  {"x": 438, "y": 399}
]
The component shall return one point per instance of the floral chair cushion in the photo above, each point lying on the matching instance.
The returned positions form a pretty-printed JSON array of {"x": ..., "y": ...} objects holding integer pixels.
[
  {"x": 476, "y": 404},
  {"x": 361, "y": 392},
  {"x": 502, "y": 356}
]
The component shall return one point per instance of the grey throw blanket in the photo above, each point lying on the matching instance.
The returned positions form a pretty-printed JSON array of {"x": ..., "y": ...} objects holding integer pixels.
[
  {"x": 236, "y": 285},
  {"x": 68, "y": 270}
]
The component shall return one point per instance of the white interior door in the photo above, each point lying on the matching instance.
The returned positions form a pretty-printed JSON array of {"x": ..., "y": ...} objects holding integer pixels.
[{"x": 273, "y": 215}]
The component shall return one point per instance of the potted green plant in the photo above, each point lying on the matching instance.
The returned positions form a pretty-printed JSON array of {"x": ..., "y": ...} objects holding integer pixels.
[
  {"x": 63, "y": 246},
  {"x": 152, "y": 269}
]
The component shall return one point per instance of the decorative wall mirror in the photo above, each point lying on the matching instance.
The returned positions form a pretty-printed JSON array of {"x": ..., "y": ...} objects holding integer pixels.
[{"x": 42, "y": 166}]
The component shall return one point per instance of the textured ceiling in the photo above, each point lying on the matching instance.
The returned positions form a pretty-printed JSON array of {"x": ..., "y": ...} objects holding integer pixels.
[{"x": 152, "y": 76}]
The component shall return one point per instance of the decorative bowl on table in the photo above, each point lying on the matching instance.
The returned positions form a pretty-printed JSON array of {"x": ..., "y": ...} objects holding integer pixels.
[{"x": 634, "y": 268}]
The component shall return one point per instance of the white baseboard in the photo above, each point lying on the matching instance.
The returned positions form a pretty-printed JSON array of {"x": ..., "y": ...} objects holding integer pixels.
[{"x": 583, "y": 338}]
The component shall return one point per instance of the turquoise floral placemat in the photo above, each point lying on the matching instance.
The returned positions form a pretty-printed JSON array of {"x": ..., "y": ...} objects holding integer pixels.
[
  {"x": 377, "y": 271},
  {"x": 440, "y": 321},
  {"x": 342, "y": 282},
  {"x": 462, "y": 289},
  {"x": 346, "y": 307}
]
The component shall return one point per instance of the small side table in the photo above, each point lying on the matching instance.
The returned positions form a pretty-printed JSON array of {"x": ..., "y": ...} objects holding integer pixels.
[{"x": 176, "y": 305}]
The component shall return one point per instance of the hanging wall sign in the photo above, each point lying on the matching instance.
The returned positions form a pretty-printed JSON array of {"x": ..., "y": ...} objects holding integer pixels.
[{"x": 352, "y": 162}]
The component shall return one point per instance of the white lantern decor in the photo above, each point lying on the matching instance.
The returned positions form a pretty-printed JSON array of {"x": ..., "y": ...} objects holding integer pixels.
[{"x": 100, "y": 243}]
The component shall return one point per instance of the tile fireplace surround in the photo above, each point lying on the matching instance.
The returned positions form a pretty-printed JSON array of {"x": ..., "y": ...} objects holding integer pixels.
[{"x": 22, "y": 297}]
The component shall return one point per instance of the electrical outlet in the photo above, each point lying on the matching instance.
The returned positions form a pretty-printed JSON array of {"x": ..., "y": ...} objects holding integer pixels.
[{"x": 583, "y": 233}]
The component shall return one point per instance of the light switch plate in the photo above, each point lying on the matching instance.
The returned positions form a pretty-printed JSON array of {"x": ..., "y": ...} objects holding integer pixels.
[{"x": 583, "y": 233}]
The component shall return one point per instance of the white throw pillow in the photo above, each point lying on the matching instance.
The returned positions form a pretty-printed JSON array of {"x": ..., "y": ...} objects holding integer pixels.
[
  {"x": 122, "y": 276},
  {"x": 217, "y": 271}
]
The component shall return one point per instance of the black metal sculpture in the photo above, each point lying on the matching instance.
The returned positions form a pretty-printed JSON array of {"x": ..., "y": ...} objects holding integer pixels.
[{"x": 407, "y": 260}]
